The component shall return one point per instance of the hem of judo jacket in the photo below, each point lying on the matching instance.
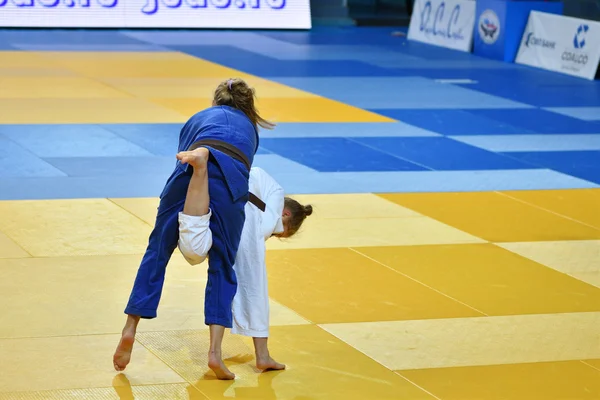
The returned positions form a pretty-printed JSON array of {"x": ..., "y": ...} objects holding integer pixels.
[{"x": 250, "y": 332}]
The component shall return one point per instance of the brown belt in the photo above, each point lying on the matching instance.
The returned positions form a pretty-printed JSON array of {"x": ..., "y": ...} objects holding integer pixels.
[{"x": 234, "y": 153}]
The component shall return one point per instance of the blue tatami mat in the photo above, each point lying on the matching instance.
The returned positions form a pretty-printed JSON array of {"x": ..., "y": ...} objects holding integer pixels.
[{"x": 464, "y": 123}]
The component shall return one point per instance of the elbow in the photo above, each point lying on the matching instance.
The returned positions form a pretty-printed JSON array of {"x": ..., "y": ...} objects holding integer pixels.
[{"x": 192, "y": 256}]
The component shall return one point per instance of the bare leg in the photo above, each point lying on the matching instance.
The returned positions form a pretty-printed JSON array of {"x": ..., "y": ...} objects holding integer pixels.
[
  {"x": 215, "y": 356},
  {"x": 123, "y": 354},
  {"x": 196, "y": 203},
  {"x": 198, "y": 197},
  {"x": 263, "y": 358}
]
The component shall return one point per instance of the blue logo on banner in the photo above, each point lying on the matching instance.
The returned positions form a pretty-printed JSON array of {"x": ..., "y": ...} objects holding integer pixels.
[
  {"x": 579, "y": 39},
  {"x": 450, "y": 31}
]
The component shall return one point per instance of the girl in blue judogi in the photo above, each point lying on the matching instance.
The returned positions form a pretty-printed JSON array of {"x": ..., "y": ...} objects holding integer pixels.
[{"x": 229, "y": 130}]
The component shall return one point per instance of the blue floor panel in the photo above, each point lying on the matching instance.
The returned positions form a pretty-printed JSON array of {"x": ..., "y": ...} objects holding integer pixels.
[
  {"x": 66, "y": 36},
  {"x": 443, "y": 154},
  {"x": 453, "y": 122},
  {"x": 18, "y": 162},
  {"x": 581, "y": 164},
  {"x": 540, "y": 121},
  {"x": 529, "y": 143},
  {"x": 465, "y": 123},
  {"x": 157, "y": 139},
  {"x": 366, "y": 129},
  {"x": 336, "y": 155},
  {"x": 71, "y": 141},
  {"x": 400, "y": 93},
  {"x": 266, "y": 66}
]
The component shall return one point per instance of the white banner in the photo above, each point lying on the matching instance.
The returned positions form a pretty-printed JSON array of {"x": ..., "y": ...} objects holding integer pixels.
[
  {"x": 446, "y": 23},
  {"x": 561, "y": 44},
  {"x": 269, "y": 14}
]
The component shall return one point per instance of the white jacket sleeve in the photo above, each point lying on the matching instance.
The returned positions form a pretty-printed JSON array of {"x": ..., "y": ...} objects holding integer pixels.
[
  {"x": 273, "y": 196},
  {"x": 195, "y": 237}
]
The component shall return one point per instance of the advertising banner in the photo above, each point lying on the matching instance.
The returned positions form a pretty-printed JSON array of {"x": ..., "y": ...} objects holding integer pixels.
[
  {"x": 446, "y": 23},
  {"x": 561, "y": 44},
  {"x": 265, "y": 14}
]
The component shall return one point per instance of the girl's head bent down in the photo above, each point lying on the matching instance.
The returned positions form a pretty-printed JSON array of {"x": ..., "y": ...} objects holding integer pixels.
[
  {"x": 293, "y": 217},
  {"x": 237, "y": 94}
]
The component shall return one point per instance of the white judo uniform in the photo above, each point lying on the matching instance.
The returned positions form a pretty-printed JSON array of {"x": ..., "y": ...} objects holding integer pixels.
[{"x": 251, "y": 303}]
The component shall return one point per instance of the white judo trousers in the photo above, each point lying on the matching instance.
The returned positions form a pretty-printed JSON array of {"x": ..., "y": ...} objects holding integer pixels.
[{"x": 251, "y": 303}]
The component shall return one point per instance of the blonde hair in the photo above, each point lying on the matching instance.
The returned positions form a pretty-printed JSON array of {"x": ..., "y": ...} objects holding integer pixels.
[{"x": 237, "y": 94}]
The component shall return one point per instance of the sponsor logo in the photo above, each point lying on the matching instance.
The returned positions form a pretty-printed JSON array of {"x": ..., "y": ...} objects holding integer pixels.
[
  {"x": 576, "y": 59},
  {"x": 579, "y": 39},
  {"x": 532, "y": 41},
  {"x": 436, "y": 26},
  {"x": 489, "y": 27}
]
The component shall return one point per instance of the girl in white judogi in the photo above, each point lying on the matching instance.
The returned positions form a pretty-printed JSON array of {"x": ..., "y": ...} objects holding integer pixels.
[{"x": 282, "y": 218}]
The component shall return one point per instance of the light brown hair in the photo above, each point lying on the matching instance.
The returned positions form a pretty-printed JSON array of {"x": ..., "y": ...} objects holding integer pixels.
[
  {"x": 298, "y": 214},
  {"x": 237, "y": 94}
]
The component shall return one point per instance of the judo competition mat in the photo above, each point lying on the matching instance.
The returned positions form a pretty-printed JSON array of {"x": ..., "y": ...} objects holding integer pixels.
[{"x": 454, "y": 252}]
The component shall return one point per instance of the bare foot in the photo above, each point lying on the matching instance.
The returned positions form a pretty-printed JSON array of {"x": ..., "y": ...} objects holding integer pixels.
[
  {"x": 216, "y": 364},
  {"x": 268, "y": 364},
  {"x": 123, "y": 354},
  {"x": 196, "y": 158}
]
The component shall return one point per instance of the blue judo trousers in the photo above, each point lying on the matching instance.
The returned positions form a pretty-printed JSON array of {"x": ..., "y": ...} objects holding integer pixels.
[{"x": 228, "y": 188}]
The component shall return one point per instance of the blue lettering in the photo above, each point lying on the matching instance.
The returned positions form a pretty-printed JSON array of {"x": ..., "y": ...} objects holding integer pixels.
[
  {"x": 23, "y": 3},
  {"x": 66, "y": 3},
  {"x": 254, "y": 3},
  {"x": 221, "y": 3},
  {"x": 453, "y": 19},
  {"x": 276, "y": 4},
  {"x": 439, "y": 15},
  {"x": 425, "y": 18},
  {"x": 172, "y": 3},
  {"x": 197, "y": 3},
  {"x": 451, "y": 31},
  {"x": 151, "y": 7}
]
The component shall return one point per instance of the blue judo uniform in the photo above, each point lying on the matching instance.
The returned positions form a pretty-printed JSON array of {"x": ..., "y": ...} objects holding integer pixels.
[{"x": 228, "y": 187}]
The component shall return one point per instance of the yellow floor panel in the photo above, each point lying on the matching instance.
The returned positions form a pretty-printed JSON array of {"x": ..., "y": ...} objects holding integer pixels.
[
  {"x": 73, "y": 362},
  {"x": 579, "y": 204},
  {"x": 9, "y": 249},
  {"x": 72, "y": 289},
  {"x": 143, "y": 208},
  {"x": 323, "y": 233},
  {"x": 25, "y": 59},
  {"x": 458, "y": 342},
  {"x": 570, "y": 380},
  {"x": 317, "y": 109},
  {"x": 360, "y": 205},
  {"x": 56, "y": 87},
  {"x": 495, "y": 217},
  {"x": 140, "y": 65},
  {"x": 47, "y": 228},
  {"x": 305, "y": 109},
  {"x": 85, "y": 111},
  {"x": 593, "y": 363},
  {"x": 341, "y": 372},
  {"x": 580, "y": 259},
  {"x": 120, "y": 391},
  {"x": 34, "y": 72},
  {"x": 339, "y": 285},
  {"x": 197, "y": 87},
  {"x": 489, "y": 278}
]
